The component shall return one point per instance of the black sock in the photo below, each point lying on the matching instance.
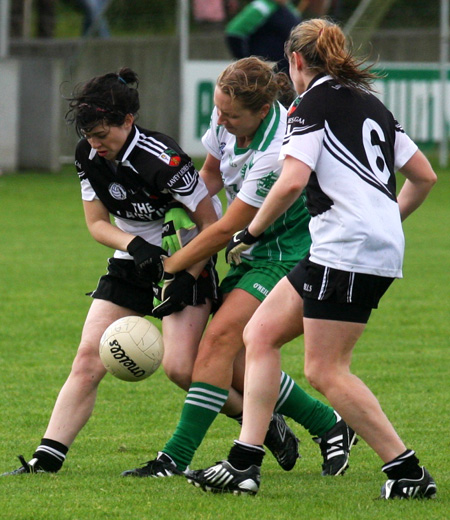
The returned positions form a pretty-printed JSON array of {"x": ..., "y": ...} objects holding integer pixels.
[
  {"x": 242, "y": 455},
  {"x": 237, "y": 418},
  {"x": 405, "y": 465},
  {"x": 51, "y": 455}
]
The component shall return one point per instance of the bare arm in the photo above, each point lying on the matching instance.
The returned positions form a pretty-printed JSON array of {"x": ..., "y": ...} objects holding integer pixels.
[
  {"x": 210, "y": 173},
  {"x": 99, "y": 225},
  {"x": 204, "y": 217},
  {"x": 420, "y": 178},
  {"x": 286, "y": 190}
]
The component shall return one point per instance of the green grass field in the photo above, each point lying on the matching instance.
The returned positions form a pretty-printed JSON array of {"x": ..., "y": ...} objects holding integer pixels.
[{"x": 48, "y": 261}]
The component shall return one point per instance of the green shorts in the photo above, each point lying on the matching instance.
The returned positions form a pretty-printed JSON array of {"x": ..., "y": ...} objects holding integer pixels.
[{"x": 257, "y": 278}]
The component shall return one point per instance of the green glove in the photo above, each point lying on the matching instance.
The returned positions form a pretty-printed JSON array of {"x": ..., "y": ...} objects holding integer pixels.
[{"x": 175, "y": 220}]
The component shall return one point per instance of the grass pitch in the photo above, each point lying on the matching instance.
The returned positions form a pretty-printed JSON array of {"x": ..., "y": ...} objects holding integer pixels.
[{"x": 48, "y": 261}]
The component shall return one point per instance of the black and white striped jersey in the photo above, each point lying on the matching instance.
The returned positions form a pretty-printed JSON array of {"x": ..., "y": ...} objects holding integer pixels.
[
  {"x": 354, "y": 146},
  {"x": 150, "y": 171}
]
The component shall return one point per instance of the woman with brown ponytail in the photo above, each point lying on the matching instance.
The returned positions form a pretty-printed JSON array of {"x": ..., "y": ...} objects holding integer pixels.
[{"x": 344, "y": 147}]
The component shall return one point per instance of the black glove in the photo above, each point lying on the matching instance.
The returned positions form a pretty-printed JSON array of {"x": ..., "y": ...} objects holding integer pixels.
[
  {"x": 241, "y": 241},
  {"x": 148, "y": 259},
  {"x": 176, "y": 294}
]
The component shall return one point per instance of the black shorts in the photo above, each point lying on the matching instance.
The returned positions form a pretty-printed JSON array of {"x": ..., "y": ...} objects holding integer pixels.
[
  {"x": 331, "y": 294},
  {"x": 123, "y": 286}
]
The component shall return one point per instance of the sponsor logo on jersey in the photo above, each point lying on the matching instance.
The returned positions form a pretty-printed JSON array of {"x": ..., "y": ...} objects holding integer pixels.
[
  {"x": 232, "y": 190},
  {"x": 170, "y": 157},
  {"x": 265, "y": 184},
  {"x": 185, "y": 180},
  {"x": 230, "y": 161},
  {"x": 117, "y": 191},
  {"x": 296, "y": 119},
  {"x": 145, "y": 211}
]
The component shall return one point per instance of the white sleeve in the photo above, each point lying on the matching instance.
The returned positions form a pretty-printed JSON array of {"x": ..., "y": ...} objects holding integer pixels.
[
  {"x": 210, "y": 140},
  {"x": 404, "y": 149},
  {"x": 87, "y": 191},
  {"x": 192, "y": 200},
  {"x": 305, "y": 148}
]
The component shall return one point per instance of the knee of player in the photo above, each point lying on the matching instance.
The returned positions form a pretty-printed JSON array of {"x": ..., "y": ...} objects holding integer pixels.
[
  {"x": 179, "y": 375},
  {"x": 318, "y": 376},
  {"x": 87, "y": 366},
  {"x": 257, "y": 338},
  {"x": 219, "y": 345}
]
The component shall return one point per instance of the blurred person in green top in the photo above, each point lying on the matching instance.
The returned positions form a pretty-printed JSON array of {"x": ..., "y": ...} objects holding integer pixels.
[
  {"x": 261, "y": 28},
  {"x": 243, "y": 144}
]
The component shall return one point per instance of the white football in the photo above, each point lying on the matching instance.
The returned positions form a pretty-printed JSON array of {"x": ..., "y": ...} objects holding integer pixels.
[{"x": 131, "y": 348}]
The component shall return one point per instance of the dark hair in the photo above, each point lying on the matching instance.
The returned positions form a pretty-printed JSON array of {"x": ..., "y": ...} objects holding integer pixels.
[
  {"x": 104, "y": 99},
  {"x": 254, "y": 83},
  {"x": 323, "y": 45}
]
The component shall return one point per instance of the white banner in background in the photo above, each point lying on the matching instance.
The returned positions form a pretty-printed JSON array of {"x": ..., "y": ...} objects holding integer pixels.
[
  {"x": 410, "y": 90},
  {"x": 198, "y": 101}
]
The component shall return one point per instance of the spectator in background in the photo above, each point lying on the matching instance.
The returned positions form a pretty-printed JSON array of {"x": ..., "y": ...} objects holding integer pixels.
[
  {"x": 261, "y": 29},
  {"x": 21, "y": 19},
  {"x": 94, "y": 22},
  {"x": 17, "y": 18},
  {"x": 46, "y": 11},
  {"x": 208, "y": 11},
  {"x": 214, "y": 11}
]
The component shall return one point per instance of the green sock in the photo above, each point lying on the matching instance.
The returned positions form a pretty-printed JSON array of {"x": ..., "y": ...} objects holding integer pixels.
[
  {"x": 311, "y": 413},
  {"x": 202, "y": 405}
]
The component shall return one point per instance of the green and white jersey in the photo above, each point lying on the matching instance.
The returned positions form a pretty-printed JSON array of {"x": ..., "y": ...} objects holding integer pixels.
[{"x": 249, "y": 173}]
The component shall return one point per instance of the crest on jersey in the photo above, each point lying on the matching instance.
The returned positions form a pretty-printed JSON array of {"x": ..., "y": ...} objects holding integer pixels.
[
  {"x": 293, "y": 106},
  {"x": 265, "y": 184},
  {"x": 170, "y": 157},
  {"x": 117, "y": 191}
]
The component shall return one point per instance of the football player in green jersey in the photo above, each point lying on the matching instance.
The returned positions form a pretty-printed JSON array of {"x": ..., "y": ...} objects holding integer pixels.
[{"x": 243, "y": 145}]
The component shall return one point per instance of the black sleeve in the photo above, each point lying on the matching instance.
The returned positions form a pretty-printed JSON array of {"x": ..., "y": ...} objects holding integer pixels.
[
  {"x": 181, "y": 179},
  {"x": 81, "y": 155}
]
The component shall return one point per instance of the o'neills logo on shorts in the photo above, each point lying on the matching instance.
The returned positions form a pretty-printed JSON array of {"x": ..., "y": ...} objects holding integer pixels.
[
  {"x": 260, "y": 289},
  {"x": 120, "y": 354}
]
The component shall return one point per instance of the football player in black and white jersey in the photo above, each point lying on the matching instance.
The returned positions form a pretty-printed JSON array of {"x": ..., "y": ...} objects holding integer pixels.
[
  {"x": 130, "y": 175},
  {"x": 344, "y": 147}
]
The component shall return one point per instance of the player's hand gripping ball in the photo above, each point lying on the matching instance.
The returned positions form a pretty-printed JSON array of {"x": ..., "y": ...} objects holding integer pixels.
[{"x": 131, "y": 348}]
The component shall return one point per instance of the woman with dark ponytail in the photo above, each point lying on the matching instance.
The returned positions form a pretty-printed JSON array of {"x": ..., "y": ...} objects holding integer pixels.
[{"x": 137, "y": 177}]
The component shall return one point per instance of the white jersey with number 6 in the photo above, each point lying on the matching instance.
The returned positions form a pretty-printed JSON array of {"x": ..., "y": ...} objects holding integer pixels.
[{"x": 354, "y": 146}]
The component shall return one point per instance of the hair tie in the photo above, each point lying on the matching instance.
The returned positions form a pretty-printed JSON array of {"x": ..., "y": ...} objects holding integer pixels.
[{"x": 121, "y": 79}]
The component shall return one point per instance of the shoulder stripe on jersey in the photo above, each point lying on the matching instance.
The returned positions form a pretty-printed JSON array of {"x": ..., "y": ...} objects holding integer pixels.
[
  {"x": 339, "y": 152},
  {"x": 298, "y": 130},
  {"x": 151, "y": 145},
  {"x": 190, "y": 180}
]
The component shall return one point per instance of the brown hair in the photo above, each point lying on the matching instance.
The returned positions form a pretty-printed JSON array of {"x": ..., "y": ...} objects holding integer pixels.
[
  {"x": 323, "y": 45},
  {"x": 254, "y": 83}
]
